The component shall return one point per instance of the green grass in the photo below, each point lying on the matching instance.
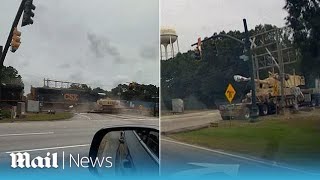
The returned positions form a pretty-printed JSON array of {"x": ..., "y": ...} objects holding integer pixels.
[
  {"x": 294, "y": 140},
  {"x": 42, "y": 117}
]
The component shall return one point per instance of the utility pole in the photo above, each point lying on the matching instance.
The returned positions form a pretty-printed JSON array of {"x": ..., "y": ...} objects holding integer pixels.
[{"x": 254, "y": 108}]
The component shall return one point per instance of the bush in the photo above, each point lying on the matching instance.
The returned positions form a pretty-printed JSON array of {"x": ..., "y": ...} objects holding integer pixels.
[{"x": 5, "y": 113}]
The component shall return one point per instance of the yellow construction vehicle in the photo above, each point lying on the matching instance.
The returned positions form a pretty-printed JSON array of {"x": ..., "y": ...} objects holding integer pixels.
[
  {"x": 268, "y": 96},
  {"x": 108, "y": 105}
]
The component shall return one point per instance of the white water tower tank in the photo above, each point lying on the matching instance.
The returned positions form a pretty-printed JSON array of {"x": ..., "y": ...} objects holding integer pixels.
[{"x": 168, "y": 37}]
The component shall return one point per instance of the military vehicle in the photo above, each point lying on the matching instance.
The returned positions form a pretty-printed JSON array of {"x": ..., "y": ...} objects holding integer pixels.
[
  {"x": 269, "y": 98},
  {"x": 108, "y": 105}
]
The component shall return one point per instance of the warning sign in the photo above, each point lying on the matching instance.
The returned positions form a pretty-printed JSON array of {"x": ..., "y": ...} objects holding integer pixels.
[{"x": 230, "y": 93}]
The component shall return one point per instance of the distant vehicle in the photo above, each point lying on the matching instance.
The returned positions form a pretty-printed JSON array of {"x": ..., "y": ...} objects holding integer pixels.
[
  {"x": 177, "y": 106},
  {"x": 268, "y": 96}
]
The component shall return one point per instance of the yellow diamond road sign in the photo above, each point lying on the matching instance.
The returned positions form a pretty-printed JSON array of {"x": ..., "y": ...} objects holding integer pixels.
[{"x": 230, "y": 93}]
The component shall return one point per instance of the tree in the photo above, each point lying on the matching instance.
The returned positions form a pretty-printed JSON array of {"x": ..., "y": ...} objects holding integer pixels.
[
  {"x": 140, "y": 92},
  {"x": 80, "y": 87},
  {"x": 304, "y": 19},
  {"x": 10, "y": 75},
  {"x": 98, "y": 90}
]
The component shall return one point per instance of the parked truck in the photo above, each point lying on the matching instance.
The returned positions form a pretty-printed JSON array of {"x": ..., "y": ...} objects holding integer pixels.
[
  {"x": 177, "y": 106},
  {"x": 268, "y": 96}
]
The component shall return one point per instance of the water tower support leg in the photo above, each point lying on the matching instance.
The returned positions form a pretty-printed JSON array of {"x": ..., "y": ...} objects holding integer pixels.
[
  {"x": 172, "y": 49},
  {"x": 178, "y": 44},
  {"x": 166, "y": 52}
]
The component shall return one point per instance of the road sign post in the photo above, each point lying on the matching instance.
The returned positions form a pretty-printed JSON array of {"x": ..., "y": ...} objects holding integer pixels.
[{"x": 230, "y": 93}]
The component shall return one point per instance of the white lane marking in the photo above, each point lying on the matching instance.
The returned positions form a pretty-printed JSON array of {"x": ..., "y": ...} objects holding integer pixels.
[
  {"x": 241, "y": 157},
  {"x": 25, "y": 134},
  {"x": 128, "y": 116},
  {"x": 123, "y": 116},
  {"x": 208, "y": 168},
  {"x": 116, "y": 117},
  {"x": 49, "y": 148}
]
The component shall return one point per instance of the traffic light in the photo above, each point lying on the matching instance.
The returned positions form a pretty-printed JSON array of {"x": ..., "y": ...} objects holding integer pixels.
[
  {"x": 198, "y": 50},
  {"x": 28, "y": 14},
  {"x": 15, "y": 42}
]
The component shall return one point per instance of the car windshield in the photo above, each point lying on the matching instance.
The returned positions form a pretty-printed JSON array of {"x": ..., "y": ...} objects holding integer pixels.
[{"x": 239, "y": 80}]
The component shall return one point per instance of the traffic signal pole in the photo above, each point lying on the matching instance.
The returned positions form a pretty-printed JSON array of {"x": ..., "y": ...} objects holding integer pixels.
[
  {"x": 3, "y": 52},
  {"x": 14, "y": 24},
  {"x": 254, "y": 107},
  {"x": 254, "y": 110}
]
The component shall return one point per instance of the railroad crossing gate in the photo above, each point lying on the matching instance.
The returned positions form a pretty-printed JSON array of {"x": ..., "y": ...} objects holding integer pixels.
[{"x": 230, "y": 93}]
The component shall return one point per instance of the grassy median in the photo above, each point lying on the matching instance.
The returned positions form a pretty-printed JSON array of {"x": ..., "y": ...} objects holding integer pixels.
[
  {"x": 42, "y": 117},
  {"x": 291, "y": 139}
]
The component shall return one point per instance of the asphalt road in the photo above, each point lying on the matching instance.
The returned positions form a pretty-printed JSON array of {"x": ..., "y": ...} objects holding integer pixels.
[
  {"x": 178, "y": 158},
  {"x": 72, "y": 136}
]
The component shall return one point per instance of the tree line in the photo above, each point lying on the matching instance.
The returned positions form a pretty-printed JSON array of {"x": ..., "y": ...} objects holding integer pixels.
[{"x": 129, "y": 92}]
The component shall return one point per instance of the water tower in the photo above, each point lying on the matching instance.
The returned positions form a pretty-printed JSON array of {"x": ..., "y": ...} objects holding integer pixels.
[{"x": 168, "y": 37}]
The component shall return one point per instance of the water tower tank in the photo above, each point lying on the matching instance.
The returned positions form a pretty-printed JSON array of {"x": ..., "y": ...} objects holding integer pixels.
[{"x": 168, "y": 36}]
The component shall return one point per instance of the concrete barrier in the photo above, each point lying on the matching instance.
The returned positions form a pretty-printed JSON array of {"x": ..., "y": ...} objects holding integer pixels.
[{"x": 188, "y": 122}]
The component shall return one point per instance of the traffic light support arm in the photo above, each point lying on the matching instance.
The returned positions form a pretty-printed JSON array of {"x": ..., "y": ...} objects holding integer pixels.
[
  {"x": 14, "y": 24},
  {"x": 221, "y": 35}
]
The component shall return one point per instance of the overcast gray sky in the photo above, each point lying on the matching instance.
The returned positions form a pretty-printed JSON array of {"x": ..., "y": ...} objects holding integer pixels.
[
  {"x": 98, "y": 42},
  {"x": 201, "y": 18}
]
